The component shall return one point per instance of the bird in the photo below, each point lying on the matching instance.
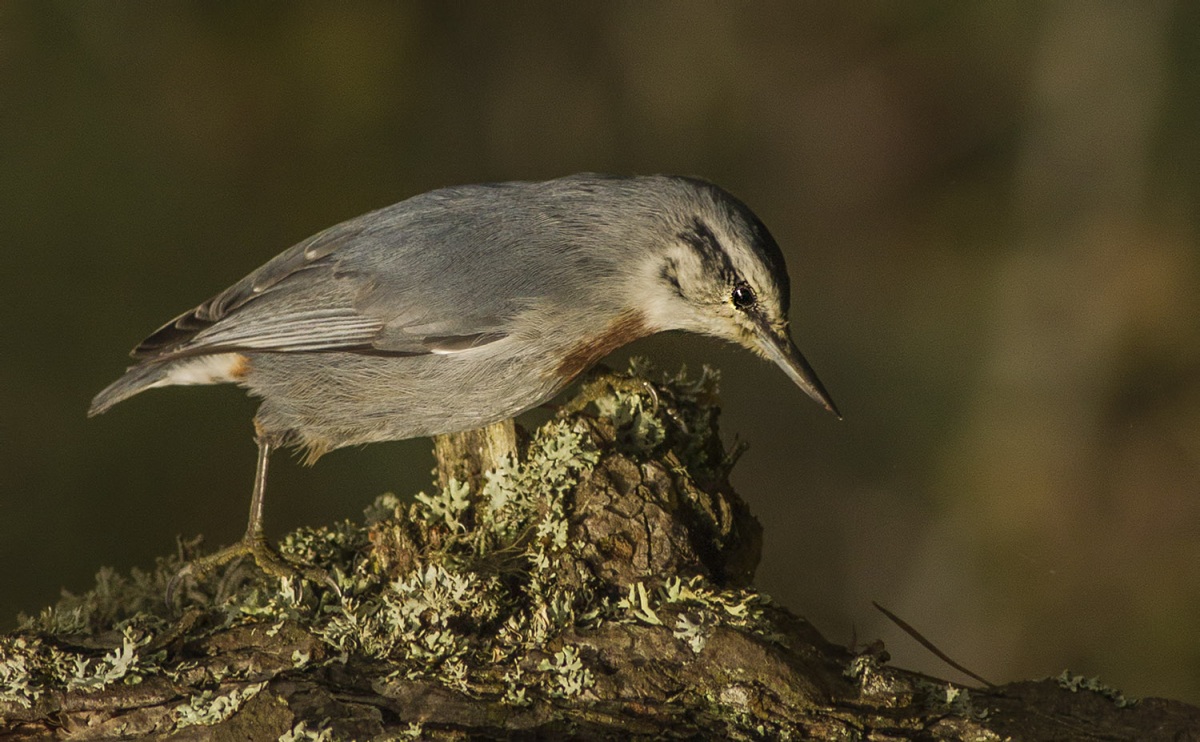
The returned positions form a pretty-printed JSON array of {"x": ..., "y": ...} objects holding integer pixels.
[{"x": 465, "y": 306}]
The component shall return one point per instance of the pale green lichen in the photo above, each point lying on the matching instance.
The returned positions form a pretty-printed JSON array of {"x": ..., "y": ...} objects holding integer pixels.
[
  {"x": 637, "y": 604},
  {"x": 1075, "y": 683},
  {"x": 493, "y": 576},
  {"x": 30, "y": 666},
  {"x": 414, "y": 620},
  {"x": 651, "y": 423},
  {"x": 516, "y": 688},
  {"x": 701, "y": 608},
  {"x": 569, "y": 676},
  {"x": 301, "y": 733},
  {"x": 23, "y": 662},
  {"x": 690, "y": 633},
  {"x": 209, "y": 708},
  {"x": 448, "y": 506},
  {"x": 951, "y": 698},
  {"x": 415, "y": 730},
  {"x": 506, "y": 572},
  {"x": 121, "y": 664}
]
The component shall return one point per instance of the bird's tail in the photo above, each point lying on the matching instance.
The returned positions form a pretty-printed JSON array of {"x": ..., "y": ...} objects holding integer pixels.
[{"x": 136, "y": 379}]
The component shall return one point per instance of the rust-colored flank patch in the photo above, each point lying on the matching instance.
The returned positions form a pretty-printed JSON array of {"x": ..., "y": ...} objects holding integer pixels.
[
  {"x": 240, "y": 367},
  {"x": 624, "y": 329}
]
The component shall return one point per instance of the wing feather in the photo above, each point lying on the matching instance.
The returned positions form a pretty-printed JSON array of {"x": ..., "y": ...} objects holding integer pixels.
[
  {"x": 307, "y": 299},
  {"x": 305, "y": 330},
  {"x": 185, "y": 335}
]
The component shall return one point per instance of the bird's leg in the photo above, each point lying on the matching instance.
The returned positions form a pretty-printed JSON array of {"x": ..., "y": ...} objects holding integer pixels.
[
  {"x": 255, "y": 537},
  {"x": 254, "y": 542}
]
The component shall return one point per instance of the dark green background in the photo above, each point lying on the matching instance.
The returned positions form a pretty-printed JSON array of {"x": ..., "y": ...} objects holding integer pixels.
[{"x": 989, "y": 211}]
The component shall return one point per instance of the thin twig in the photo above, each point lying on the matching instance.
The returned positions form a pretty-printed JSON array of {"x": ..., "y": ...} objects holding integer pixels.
[{"x": 929, "y": 645}]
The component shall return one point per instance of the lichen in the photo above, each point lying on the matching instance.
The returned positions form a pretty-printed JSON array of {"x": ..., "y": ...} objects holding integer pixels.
[
  {"x": 121, "y": 664},
  {"x": 652, "y": 419},
  {"x": 1075, "y": 683},
  {"x": 302, "y": 733},
  {"x": 951, "y": 699},
  {"x": 697, "y": 608},
  {"x": 24, "y": 664},
  {"x": 465, "y": 589},
  {"x": 567, "y": 674},
  {"x": 209, "y": 708}
]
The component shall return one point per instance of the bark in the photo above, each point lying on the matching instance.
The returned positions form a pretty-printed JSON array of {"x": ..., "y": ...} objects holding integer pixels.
[
  {"x": 466, "y": 456},
  {"x": 594, "y": 589}
]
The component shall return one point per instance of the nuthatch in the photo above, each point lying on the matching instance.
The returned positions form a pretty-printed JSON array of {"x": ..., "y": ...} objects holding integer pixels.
[{"x": 468, "y": 305}]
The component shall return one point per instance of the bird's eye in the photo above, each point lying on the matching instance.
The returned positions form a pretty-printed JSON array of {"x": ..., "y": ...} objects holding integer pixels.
[{"x": 743, "y": 296}]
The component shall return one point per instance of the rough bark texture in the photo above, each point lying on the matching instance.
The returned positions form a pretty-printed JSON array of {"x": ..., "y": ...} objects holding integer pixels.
[
  {"x": 465, "y": 456},
  {"x": 596, "y": 589}
]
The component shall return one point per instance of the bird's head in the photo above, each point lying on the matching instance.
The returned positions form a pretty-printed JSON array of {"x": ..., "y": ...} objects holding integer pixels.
[{"x": 719, "y": 272}]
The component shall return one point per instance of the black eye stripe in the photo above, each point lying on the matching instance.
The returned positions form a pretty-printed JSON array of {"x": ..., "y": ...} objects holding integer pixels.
[{"x": 700, "y": 237}]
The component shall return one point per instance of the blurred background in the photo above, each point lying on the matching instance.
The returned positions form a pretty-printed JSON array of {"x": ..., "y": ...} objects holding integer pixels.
[{"x": 989, "y": 212}]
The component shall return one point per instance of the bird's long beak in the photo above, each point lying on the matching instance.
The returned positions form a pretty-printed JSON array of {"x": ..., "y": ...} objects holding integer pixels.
[{"x": 785, "y": 354}]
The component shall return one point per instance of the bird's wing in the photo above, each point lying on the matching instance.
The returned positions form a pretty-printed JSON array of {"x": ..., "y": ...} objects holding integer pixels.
[{"x": 321, "y": 295}]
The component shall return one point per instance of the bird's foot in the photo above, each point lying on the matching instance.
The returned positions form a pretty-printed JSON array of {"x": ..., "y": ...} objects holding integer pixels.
[
  {"x": 604, "y": 381},
  {"x": 607, "y": 382},
  {"x": 256, "y": 547}
]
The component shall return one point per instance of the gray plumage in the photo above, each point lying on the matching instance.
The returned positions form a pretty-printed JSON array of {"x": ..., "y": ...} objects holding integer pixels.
[{"x": 467, "y": 305}]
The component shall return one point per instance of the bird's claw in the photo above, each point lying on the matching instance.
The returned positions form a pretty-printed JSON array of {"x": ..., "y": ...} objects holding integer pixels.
[
  {"x": 605, "y": 382},
  {"x": 266, "y": 558}
]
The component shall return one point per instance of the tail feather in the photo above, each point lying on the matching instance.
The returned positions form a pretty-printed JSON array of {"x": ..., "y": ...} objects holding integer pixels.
[
  {"x": 136, "y": 379},
  {"x": 204, "y": 369}
]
